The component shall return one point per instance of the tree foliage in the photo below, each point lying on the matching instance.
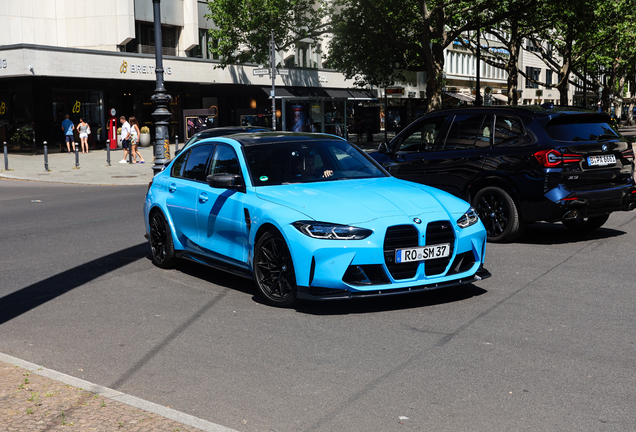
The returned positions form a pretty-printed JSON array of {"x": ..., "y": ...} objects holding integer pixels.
[{"x": 375, "y": 43}]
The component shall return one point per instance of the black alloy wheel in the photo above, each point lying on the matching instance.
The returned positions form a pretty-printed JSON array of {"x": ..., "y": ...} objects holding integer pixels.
[
  {"x": 274, "y": 270},
  {"x": 499, "y": 214},
  {"x": 586, "y": 224},
  {"x": 161, "y": 245}
]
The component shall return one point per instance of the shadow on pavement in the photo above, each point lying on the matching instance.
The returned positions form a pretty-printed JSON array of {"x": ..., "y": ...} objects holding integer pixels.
[
  {"x": 557, "y": 233},
  {"x": 28, "y": 298}
]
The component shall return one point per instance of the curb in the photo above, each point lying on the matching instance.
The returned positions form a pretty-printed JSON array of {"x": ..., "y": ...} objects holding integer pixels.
[{"x": 115, "y": 395}]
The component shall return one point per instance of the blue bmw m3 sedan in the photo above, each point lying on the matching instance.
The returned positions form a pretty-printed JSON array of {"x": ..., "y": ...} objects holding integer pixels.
[{"x": 309, "y": 216}]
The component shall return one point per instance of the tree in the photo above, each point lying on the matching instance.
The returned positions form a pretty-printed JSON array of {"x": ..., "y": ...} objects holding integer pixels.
[{"x": 372, "y": 42}]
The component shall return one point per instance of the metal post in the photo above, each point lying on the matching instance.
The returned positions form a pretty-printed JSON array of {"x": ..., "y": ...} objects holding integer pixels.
[
  {"x": 46, "y": 158},
  {"x": 176, "y": 143},
  {"x": 6, "y": 157},
  {"x": 34, "y": 151},
  {"x": 76, "y": 156},
  {"x": 160, "y": 99},
  {"x": 478, "y": 101},
  {"x": 108, "y": 152},
  {"x": 272, "y": 60}
]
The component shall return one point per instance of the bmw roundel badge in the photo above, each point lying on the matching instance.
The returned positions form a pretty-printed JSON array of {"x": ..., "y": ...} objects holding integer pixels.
[
  {"x": 417, "y": 220},
  {"x": 604, "y": 147}
]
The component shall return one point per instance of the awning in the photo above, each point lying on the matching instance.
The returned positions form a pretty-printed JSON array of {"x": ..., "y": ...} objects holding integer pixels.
[
  {"x": 461, "y": 96},
  {"x": 318, "y": 93},
  {"x": 500, "y": 97},
  {"x": 361, "y": 95}
]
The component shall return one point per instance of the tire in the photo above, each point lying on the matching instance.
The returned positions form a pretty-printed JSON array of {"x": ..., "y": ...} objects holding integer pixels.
[
  {"x": 274, "y": 270},
  {"x": 586, "y": 224},
  {"x": 161, "y": 245},
  {"x": 499, "y": 214}
]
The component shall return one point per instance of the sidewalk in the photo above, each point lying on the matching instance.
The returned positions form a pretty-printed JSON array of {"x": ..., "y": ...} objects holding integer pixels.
[
  {"x": 93, "y": 167},
  {"x": 33, "y": 398}
]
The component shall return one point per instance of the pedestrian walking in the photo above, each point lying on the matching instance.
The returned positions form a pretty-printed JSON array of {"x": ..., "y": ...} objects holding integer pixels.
[
  {"x": 83, "y": 130},
  {"x": 125, "y": 138},
  {"x": 134, "y": 141},
  {"x": 68, "y": 127}
]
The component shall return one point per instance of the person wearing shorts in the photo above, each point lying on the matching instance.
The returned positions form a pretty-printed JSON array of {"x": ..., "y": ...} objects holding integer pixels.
[
  {"x": 125, "y": 138},
  {"x": 68, "y": 127}
]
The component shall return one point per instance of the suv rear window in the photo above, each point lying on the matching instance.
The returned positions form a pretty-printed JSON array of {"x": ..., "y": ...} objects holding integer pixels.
[{"x": 580, "y": 130}]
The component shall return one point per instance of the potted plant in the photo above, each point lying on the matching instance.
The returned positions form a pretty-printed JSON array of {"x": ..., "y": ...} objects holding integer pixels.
[
  {"x": 119, "y": 137},
  {"x": 144, "y": 138}
]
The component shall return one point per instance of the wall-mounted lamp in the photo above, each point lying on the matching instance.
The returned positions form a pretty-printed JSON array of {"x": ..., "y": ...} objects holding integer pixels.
[{"x": 253, "y": 104}]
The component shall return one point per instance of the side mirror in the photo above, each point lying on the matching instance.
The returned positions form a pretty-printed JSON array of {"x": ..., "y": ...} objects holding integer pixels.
[
  {"x": 383, "y": 148},
  {"x": 226, "y": 181}
]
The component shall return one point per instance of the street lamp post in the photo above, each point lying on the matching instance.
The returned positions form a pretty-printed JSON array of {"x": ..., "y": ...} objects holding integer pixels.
[{"x": 160, "y": 99}]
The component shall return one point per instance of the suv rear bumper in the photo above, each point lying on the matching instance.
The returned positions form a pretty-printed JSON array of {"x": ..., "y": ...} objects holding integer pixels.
[{"x": 581, "y": 204}]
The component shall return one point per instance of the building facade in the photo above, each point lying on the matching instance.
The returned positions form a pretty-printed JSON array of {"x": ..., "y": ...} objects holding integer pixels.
[{"x": 96, "y": 60}]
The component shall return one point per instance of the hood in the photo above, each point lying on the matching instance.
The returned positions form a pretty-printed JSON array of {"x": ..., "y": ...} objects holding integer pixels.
[{"x": 356, "y": 201}]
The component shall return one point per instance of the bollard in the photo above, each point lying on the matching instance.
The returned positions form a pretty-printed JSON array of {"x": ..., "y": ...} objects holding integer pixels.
[
  {"x": 6, "y": 157},
  {"x": 34, "y": 150},
  {"x": 176, "y": 143},
  {"x": 76, "y": 156},
  {"x": 46, "y": 158},
  {"x": 108, "y": 152},
  {"x": 130, "y": 153}
]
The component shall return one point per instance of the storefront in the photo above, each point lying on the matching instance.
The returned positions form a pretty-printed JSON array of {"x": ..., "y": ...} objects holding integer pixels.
[{"x": 41, "y": 85}]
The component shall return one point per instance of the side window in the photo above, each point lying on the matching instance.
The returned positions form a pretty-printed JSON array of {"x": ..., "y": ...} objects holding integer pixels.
[
  {"x": 508, "y": 131},
  {"x": 464, "y": 132},
  {"x": 177, "y": 166},
  {"x": 197, "y": 162},
  {"x": 225, "y": 161},
  {"x": 485, "y": 133},
  {"x": 423, "y": 136}
]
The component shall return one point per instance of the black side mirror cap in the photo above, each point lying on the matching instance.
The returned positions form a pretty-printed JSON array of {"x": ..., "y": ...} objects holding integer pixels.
[
  {"x": 226, "y": 181},
  {"x": 383, "y": 148}
]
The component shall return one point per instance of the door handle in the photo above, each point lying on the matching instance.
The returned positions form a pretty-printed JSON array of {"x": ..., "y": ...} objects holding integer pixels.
[
  {"x": 172, "y": 187},
  {"x": 203, "y": 198}
]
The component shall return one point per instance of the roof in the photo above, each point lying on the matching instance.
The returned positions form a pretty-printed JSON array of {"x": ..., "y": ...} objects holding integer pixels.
[{"x": 260, "y": 138}]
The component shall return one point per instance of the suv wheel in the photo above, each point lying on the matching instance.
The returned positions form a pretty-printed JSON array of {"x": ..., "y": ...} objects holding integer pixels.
[
  {"x": 586, "y": 224},
  {"x": 499, "y": 213}
]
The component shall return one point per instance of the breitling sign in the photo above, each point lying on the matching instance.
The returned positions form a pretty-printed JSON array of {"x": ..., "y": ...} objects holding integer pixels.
[{"x": 140, "y": 69}]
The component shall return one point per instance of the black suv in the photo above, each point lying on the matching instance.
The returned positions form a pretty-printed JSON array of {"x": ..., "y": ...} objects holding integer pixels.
[{"x": 518, "y": 165}]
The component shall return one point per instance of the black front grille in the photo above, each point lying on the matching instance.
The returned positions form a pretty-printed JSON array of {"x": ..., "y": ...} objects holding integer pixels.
[
  {"x": 437, "y": 233},
  {"x": 399, "y": 237}
]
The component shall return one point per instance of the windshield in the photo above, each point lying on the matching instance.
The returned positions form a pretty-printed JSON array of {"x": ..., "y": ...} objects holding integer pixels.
[
  {"x": 304, "y": 162},
  {"x": 581, "y": 131}
]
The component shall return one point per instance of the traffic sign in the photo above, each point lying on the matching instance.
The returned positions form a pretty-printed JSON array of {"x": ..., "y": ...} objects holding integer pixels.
[
  {"x": 264, "y": 71},
  {"x": 282, "y": 71}
]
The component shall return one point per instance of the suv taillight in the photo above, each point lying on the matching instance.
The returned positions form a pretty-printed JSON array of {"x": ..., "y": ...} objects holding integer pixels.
[
  {"x": 628, "y": 154},
  {"x": 554, "y": 158}
]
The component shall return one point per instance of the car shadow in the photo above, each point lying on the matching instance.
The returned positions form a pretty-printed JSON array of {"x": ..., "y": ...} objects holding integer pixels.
[
  {"x": 334, "y": 307},
  {"x": 391, "y": 302},
  {"x": 544, "y": 233}
]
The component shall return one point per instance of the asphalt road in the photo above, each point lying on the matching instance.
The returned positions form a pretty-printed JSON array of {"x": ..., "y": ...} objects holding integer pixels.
[{"x": 547, "y": 343}]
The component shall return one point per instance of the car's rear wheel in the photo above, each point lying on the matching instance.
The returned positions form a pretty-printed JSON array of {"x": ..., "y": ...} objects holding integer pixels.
[
  {"x": 499, "y": 213},
  {"x": 161, "y": 245},
  {"x": 274, "y": 270},
  {"x": 586, "y": 224}
]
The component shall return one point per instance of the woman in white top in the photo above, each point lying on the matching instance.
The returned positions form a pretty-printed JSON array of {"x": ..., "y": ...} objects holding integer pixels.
[
  {"x": 134, "y": 140},
  {"x": 83, "y": 129}
]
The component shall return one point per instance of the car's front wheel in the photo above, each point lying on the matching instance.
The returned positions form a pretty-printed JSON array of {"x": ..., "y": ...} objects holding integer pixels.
[
  {"x": 274, "y": 270},
  {"x": 499, "y": 213},
  {"x": 586, "y": 224},
  {"x": 161, "y": 245}
]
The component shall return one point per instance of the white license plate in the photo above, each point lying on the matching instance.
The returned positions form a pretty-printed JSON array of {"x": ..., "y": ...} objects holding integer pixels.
[
  {"x": 422, "y": 253},
  {"x": 601, "y": 160}
]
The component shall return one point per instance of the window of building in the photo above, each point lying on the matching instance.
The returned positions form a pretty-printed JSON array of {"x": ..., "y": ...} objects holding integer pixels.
[
  {"x": 532, "y": 74},
  {"x": 548, "y": 77},
  {"x": 146, "y": 38}
]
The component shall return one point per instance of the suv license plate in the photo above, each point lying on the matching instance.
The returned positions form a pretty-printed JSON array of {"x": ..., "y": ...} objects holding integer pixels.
[
  {"x": 422, "y": 253},
  {"x": 601, "y": 160}
]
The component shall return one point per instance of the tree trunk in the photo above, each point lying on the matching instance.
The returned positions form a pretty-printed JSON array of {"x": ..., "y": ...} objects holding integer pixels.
[{"x": 434, "y": 79}]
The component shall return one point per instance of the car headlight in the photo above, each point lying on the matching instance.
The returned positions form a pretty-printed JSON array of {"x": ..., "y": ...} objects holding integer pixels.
[
  {"x": 469, "y": 218},
  {"x": 330, "y": 231}
]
